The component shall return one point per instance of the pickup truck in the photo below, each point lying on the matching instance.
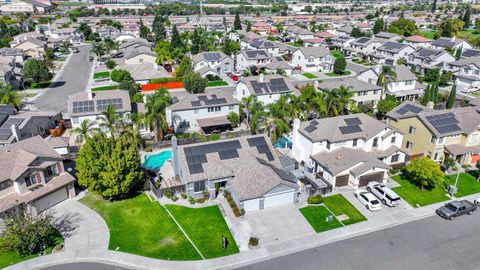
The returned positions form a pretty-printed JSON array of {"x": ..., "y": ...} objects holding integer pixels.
[{"x": 454, "y": 209}]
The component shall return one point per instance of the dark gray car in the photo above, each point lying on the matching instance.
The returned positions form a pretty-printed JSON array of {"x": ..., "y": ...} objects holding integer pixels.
[{"x": 454, "y": 209}]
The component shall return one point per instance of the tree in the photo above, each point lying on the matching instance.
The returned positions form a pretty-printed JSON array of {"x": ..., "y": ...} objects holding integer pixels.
[
  {"x": 158, "y": 27},
  {"x": 434, "y": 6},
  {"x": 9, "y": 96},
  {"x": 378, "y": 26},
  {"x": 450, "y": 27},
  {"x": 199, "y": 41},
  {"x": 84, "y": 129},
  {"x": 98, "y": 49},
  {"x": 424, "y": 172},
  {"x": 144, "y": 30},
  {"x": 109, "y": 120},
  {"x": 27, "y": 233},
  {"x": 340, "y": 65},
  {"x": 194, "y": 83},
  {"x": 224, "y": 23},
  {"x": 452, "y": 97},
  {"x": 385, "y": 105},
  {"x": 120, "y": 75},
  {"x": 184, "y": 67},
  {"x": 237, "y": 24},
  {"x": 249, "y": 27},
  {"x": 163, "y": 49},
  {"x": 85, "y": 29},
  {"x": 110, "y": 166},
  {"x": 466, "y": 17},
  {"x": 35, "y": 70},
  {"x": 176, "y": 39},
  {"x": 356, "y": 33},
  {"x": 458, "y": 53},
  {"x": 386, "y": 76},
  {"x": 432, "y": 75},
  {"x": 230, "y": 47},
  {"x": 155, "y": 116},
  {"x": 48, "y": 57},
  {"x": 402, "y": 61},
  {"x": 110, "y": 64},
  {"x": 477, "y": 23},
  {"x": 404, "y": 27},
  {"x": 233, "y": 118},
  {"x": 427, "y": 95}
]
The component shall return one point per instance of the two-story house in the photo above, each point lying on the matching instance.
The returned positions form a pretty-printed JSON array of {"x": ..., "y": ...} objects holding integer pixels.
[
  {"x": 349, "y": 150},
  {"x": 417, "y": 41},
  {"x": 364, "y": 93},
  {"x": 451, "y": 43},
  {"x": 362, "y": 47},
  {"x": 467, "y": 74},
  {"x": 33, "y": 176},
  {"x": 252, "y": 58},
  {"x": 206, "y": 112},
  {"x": 271, "y": 47},
  {"x": 299, "y": 33},
  {"x": 425, "y": 59},
  {"x": 390, "y": 52},
  {"x": 267, "y": 88},
  {"x": 438, "y": 134},
  {"x": 219, "y": 62},
  {"x": 311, "y": 59}
]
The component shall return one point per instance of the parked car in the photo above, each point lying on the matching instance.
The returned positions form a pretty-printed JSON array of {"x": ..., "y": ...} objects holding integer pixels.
[
  {"x": 90, "y": 58},
  {"x": 367, "y": 199},
  {"x": 477, "y": 201},
  {"x": 455, "y": 209},
  {"x": 75, "y": 50},
  {"x": 384, "y": 193}
]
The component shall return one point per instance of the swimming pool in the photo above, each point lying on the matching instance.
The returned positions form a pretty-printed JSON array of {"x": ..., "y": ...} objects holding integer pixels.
[
  {"x": 156, "y": 161},
  {"x": 283, "y": 142}
]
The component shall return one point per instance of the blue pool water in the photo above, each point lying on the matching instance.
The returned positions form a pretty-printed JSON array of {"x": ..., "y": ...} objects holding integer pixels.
[
  {"x": 156, "y": 161},
  {"x": 283, "y": 142}
]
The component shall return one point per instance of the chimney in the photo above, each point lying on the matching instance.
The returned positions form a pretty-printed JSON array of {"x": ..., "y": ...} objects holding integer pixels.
[
  {"x": 176, "y": 167},
  {"x": 15, "y": 132},
  {"x": 430, "y": 105},
  {"x": 90, "y": 94},
  {"x": 261, "y": 78}
]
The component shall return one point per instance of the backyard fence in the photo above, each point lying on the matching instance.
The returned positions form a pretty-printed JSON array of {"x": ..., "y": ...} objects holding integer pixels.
[{"x": 187, "y": 141}]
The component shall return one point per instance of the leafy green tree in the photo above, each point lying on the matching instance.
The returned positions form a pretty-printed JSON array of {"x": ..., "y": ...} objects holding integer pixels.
[
  {"x": 237, "y": 24},
  {"x": 477, "y": 23},
  {"x": 84, "y": 130},
  {"x": 233, "y": 118},
  {"x": 110, "y": 64},
  {"x": 452, "y": 97},
  {"x": 176, "y": 39},
  {"x": 199, "y": 41},
  {"x": 445, "y": 78},
  {"x": 434, "y": 6},
  {"x": 9, "y": 96},
  {"x": 194, "y": 83},
  {"x": 450, "y": 27},
  {"x": 385, "y": 105},
  {"x": 378, "y": 26},
  {"x": 35, "y": 70},
  {"x": 144, "y": 30},
  {"x": 85, "y": 29},
  {"x": 230, "y": 47},
  {"x": 163, "y": 49},
  {"x": 432, "y": 75},
  {"x": 120, "y": 75},
  {"x": 248, "y": 28},
  {"x": 158, "y": 27},
  {"x": 466, "y": 17},
  {"x": 184, "y": 67},
  {"x": 402, "y": 26},
  {"x": 424, "y": 172},
  {"x": 155, "y": 117},
  {"x": 340, "y": 65},
  {"x": 356, "y": 33},
  {"x": 48, "y": 57},
  {"x": 110, "y": 166},
  {"x": 98, "y": 49}
]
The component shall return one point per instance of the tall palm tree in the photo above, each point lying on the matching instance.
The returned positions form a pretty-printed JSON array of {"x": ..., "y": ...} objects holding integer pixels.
[
  {"x": 386, "y": 76},
  {"x": 83, "y": 130},
  {"x": 109, "y": 119},
  {"x": 137, "y": 120},
  {"x": 155, "y": 117},
  {"x": 9, "y": 96},
  {"x": 246, "y": 105},
  {"x": 98, "y": 49}
]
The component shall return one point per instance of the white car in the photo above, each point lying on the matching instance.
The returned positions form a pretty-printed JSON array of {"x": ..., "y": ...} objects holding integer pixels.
[
  {"x": 367, "y": 199},
  {"x": 384, "y": 193},
  {"x": 477, "y": 201}
]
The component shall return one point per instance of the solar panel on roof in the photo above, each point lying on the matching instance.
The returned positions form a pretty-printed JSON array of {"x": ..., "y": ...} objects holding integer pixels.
[
  {"x": 195, "y": 103},
  {"x": 350, "y": 129},
  {"x": 353, "y": 121},
  {"x": 314, "y": 122},
  {"x": 215, "y": 101},
  {"x": 448, "y": 128},
  {"x": 444, "y": 123}
]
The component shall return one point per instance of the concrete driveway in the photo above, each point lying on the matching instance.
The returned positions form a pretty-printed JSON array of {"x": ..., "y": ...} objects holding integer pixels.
[{"x": 278, "y": 224}]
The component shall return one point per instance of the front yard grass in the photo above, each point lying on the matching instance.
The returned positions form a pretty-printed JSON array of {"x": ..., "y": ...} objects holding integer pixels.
[
  {"x": 217, "y": 83},
  {"x": 103, "y": 88},
  {"x": 309, "y": 75},
  {"x": 413, "y": 195},
  {"x": 205, "y": 227},
  {"x": 332, "y": 74},
  {"x": 140, "y": 226},
  {"x": 341, "y": 206},
  {"x": 336, "y": 54},
  {"x": 12, "y": 257},
  {"x": 467, "y": 184},
  {"x": 317, "y": 215},
  {"x": 102, "y": 74}
]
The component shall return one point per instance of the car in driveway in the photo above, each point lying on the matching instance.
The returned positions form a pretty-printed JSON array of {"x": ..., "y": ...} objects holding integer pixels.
[
  {"x": 455, "y": 209},
  {"x": 368, "y": 199},
  {"x": 384, "y": 193},
  {"x": 477, "y": 201}
]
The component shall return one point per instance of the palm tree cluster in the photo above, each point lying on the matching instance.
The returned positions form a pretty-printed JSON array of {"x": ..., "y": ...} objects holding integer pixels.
[
  {"x": 104, "y": 47},
  {"x": 9, "y": 96}
]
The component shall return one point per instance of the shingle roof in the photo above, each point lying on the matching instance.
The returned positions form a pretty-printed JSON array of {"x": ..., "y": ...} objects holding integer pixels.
[
  {"x": 272, "y": 84},
  {"x": 355, "y": 84},
  {"x": 314, "y": 51},
  {"x": 98, "y": 97},
  {"x": 182, "y": 100}
]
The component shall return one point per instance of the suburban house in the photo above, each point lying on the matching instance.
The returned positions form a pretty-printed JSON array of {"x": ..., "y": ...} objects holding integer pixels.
[
  {"x": 417, "y": 41},
  {"x": 451, "y": 43},
  {"x": 206, "y": 112},
  {"x": 296, "y": 33},
  {"x": 388, "y": 36},
  {"x": 89, "y": 106},
  {"x": 362, "y": 47},
  {"x": 142, "y": 73},
  {"x": 262, "y": 44},
  {"x": 405, "y": 86},
  {"x": 25, "y": 6},
  {"x": 438, "y": 134},
  {"x": 390, "y": 52},
  {"x": 348, "y": 150},
  {"x": 425, "y": 59},
  {"x": 467, "y": 74},
  {"x": 277, "y": 65},
  {"x": 219, "y": 62},
  {"x": 311, "y": 59},
  {"x": 365, "y": 93},
  {"x": 106, "y": 31},
  {"x": 72, "y": 35},
  {"x": 137, "y": 51},
  {"x": 252, "y": 58},
  {"x": 32, "y": 45},
  {"x": 33, "y": 177},
  {"x": 267, "y": 88},
  {"x": 247, "y": 167},
  {"x": 470, "y": 53}
]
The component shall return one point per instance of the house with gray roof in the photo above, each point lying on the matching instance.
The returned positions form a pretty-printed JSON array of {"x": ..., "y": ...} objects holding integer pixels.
[
  {"x": 299, "y": 33},
  {"x": 424, "y": 59},
  {"x": 33, "y": 176},
  {"x": 267, "y": 88},
  {"x": 467, "y": 74},
  {"x": 348, "y": 150},
  {"x": 143, "y": 72},
  {"x": 451, "y": 43},
  {"x": 361, "y": 47},
  {"x": 204, "y": 112},
  {"x": 312, "y": 59},
  {"x": 219, "y": 62},
  {"x": 364, "y": 93},
  {"x": 252, "y": 58},
  {"x": 390, "y": 52},
  {"x": 271, "y": 47},
  {"x": 388, "y": 36},
  {"x": 247, "y": 167}
]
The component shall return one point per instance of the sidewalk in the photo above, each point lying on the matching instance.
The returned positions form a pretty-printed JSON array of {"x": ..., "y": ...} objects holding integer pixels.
[{"x": 266, "y": 252}]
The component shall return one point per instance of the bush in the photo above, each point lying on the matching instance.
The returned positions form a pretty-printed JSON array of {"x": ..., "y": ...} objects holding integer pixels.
[
  {"x": 318, "y": 199},
  {"x": 183, "y": 195},
  {"x": 393, "y": 171},
  {"x": 175, "y": 198},
  {"x": 424, "y": 172},
  {"x": 200, "y": 200},
  {"x": 168, "y": 193},
  {"x": 163, "y": 80},
  {"x": 253, "y": 241},
  {"x": 214, "y": 137},
  {"x": 120, "y": 75},
  {"x": 191, "y": 200},
  {"x": 212, "y": 77},
  {"x": 148, "y": 149},
  {"x": 157, "y": 183},
  {"x": 111, "y": 64}
]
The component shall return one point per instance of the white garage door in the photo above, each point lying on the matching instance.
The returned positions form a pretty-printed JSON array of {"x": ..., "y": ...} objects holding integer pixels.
[
  {"x": 50, "y": 200},
  {"x": 279, "y": 199},
  {"x": 251, "y": 205}
]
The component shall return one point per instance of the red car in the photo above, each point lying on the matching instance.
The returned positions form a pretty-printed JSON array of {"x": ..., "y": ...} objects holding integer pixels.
[{"x": 233, "y": 77}]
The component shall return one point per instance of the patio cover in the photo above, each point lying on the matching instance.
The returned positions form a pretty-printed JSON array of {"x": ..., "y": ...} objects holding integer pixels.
[
  {"x": 213, "y": 121},
  {"x": 459, "y": 149}
]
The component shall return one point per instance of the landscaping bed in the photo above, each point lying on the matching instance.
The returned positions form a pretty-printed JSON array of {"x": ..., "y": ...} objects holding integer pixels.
[
  {"x": 415, "y": 196},
  {"x": 39, "y": 85},
  {"x": 341, "y": 206},
  {"x": 467, "y": 184},
  {"x": 217, "y": 83},
  {"x": 102, "y": 74},
  {"x": 346, "y": 73},
  {"x": 317, "y": 217},
  {"x": 13, "y": 257},
  {"x": 309, "y": 75},
  {"x": 103, "y": 88}
]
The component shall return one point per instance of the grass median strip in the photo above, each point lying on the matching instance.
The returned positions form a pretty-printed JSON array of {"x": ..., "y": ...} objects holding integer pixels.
[{"x": 341, "y": 206}]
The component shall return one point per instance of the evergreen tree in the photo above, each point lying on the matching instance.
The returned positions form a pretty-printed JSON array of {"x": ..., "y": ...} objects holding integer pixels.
[
  {"x": 339, "y": 65},
  {"x": 224, "y": 22},
  {"x": 458, "y": 54},
  {"x": 378, "y": 26},
  {"x": 249, "y": 26},
  {"x": 158, "y": 27},
  {"x": 176, "y": 39},
  {"x": 434, "y": 93},
  {"x": 144, "y": 30},
  {"x": 426, "y": 95},
  {"x": 466, "y": 17},
  {"x": 237, "y": 24},
  {"x": 434, "y": 6},
  {"x": 452, "y": 97},
  {"x": 356, "y": 33}
]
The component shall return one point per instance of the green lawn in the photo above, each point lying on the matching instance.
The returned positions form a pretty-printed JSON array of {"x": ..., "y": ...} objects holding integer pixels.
[
  {"x": 467, "y": 184},
  {"x": 10, "y": 258},
  {"x": 217, "y": 83},
  {"x": 470, "y": 35},
  {"x": 103, "y": 88},
  {"x": 346, "y": 73},
  {"x": 103, "y": 74},
  {"x": 339, "y": 206},
  {"x": 39, "y": 85},
  {"x": 142, "y": 227},
  {"x": 316, "y": 216},
  {"x": 309, "y": 75},
  {"x": 205, "y": 227},
  {"x": 336, "y": 54},
  {"x": 413, "y": 195},
  {"x": 428, "y": 34}
]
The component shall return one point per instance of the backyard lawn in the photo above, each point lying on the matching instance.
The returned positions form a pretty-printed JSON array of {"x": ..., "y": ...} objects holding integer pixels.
[
  {"x": 217, "y": 83},
  {"x": 428, "y": 34},
  {"x": 413, "y": 195},
  {"x": 140, "y": 226},
  {"x": 309, "y": 75},
  {"x": 317, "y": 215},
  {"x": 467, "y": 184},
  {"x": 341, "y": 206},
  {"x": 205, "y": 227},
  {"x": 102, "y": 74}
]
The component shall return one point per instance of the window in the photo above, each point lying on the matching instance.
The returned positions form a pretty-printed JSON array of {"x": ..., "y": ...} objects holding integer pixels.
[
  {"x": 75, "y": 120},
  {"x": 409, "y": 83},
  {"x": 433, "y": 139},
  {"x": 375, "y": 142},
  {"x": 31, "y": 180},
  {"x": 409, "y": 145},
  {"x": 436, "y": 156},
  {"x": 199, "y": 186},
  {"x": 411, "y": 130},
  {"x": 195, "y": 111},
  {"x": 230, "y": 107},
  {"x": 51, "y": 170},
  {"x": 354, "y": 143},
  {"x": 429, "y": 154},
  {"x": 5, "y": 184},
  {"x": 375, "y": 92},
  {"x": 328, "y": 145},
  {"x": 217, "y": 109},
  {"x": 441, "y": 140},
  {"x": 395, "y": 158},
  {"x": 393, "y": 139}
]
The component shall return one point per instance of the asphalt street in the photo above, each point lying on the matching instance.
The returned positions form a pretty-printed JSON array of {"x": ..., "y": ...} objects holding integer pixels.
[{"x": 72, "y": 79}]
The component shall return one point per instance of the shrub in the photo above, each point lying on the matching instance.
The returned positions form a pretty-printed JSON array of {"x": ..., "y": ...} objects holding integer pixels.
[
  {"x": 424, "y": 172},
  {"x": 183, "y": 195},
  {"x": 212, "y": 77},
  {"x": 214, "y": 137},
  {"x": 163, "y": 80},
  {"x": 253, "y": 241},
  {"x": 191, "y": 200},
  {"x": 175, "y": 198},
  {"x": 318, "y": 199},
  {"x": 168, "y": 193},
  {"x": 148, "y": 149},
  {"x": 111, "y": 64},
  {"x": 200, "y": 200},
  {"x": 157, "y": 183}
]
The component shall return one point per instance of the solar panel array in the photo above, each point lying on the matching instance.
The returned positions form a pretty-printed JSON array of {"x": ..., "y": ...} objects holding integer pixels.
[
  {"x": 196, "y": 155},
  {"x": 262, "y": 146},
  {"x": 408, "y": 108},
  {"x": 353, "y": 126},
  {"x": 277, "y": 85},
  {"x": 312, "y": 127},
  {"x": 352, "y": 121},
  {"x": 212, "y": 56},
  {"x": 363, "y": 40},
  {"x": 444, "y": 123},
  {"x": 256, "y": 54},
  {"x": 6, "y": 129},
  {"x": 102, "y": 104},
  {"x": 83, "y": 106},
  {"x": 213, "y": 100}
]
